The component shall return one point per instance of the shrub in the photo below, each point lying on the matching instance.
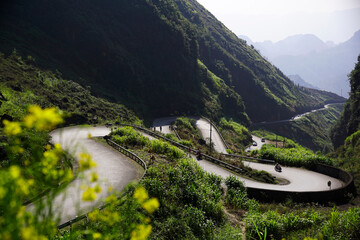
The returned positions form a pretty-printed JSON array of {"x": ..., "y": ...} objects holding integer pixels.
[{"x": 298, "y": 157}]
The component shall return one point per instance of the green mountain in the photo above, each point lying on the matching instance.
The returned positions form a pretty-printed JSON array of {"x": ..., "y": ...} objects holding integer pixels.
[{"x": 155, "y": 57}]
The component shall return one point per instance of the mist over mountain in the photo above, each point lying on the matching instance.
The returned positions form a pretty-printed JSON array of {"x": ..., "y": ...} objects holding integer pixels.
[
  {"x": 321, "y": 64},
  {"x": 155, "y": 57},
  {"x": 301, "y": 82},
  {"x": 293, "y": 45}
]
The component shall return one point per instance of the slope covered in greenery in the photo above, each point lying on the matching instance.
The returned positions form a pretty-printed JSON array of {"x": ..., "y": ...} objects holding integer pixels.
[
  {"x": 156, "y": 57},
  {"x": 346, "y": 133},
  {"x": 23, "y": 84},
  {"x": 350, "y": 119}
]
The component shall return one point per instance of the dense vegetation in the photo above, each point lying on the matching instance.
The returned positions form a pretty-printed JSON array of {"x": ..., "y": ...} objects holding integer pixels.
[
  {"x": 345, "y": 134},
  {"x": 190, "y": 199},
  {"x": 156, "y": 57},
  {"x": 296, "y": 156},
  {"x": 349, "y": 122},
  {"x": 303, "y": 223}
]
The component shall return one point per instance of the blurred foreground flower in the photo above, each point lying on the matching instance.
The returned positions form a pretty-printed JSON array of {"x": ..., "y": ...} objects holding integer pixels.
[
  {"x": 43, "y": 119},
  {"x": 11, "y": 128}
]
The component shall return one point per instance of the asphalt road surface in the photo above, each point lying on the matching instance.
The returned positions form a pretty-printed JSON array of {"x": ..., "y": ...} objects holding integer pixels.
[
  {"x": 258, "y": 141},
  {"x": 113, "y": 169},
  {"x": 300, "y": 180},
  {"x": 204, "y": 128}
]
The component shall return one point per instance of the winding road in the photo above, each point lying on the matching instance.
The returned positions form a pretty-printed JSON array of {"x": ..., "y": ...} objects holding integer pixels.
[
  {"x": 300, "y": 180},
  {"x": 297, "y": 117},
  {"x": 117, "y": 171},
  {"x": 113, "y": 169}
]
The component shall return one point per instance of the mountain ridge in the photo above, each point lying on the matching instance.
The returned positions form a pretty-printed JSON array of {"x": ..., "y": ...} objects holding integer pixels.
[
  {"x": 156, "y": 57},
  {"x": 323, "y": 65}
]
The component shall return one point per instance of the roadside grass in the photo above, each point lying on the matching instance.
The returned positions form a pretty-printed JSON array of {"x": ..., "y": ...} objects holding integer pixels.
[
  {"x": 236, "y": 135},
  {"x": 303, "y": 223}
]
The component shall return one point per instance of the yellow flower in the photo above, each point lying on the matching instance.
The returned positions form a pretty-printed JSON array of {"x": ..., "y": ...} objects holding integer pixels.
[
  {"x": 14, "y": 171},
  {"x": 141, "y": 232},
  {"x": 89, "y": 195},
  {"x": 96, "y": 235},
  {"x": 140, "y": 194},
  {"x": 50, "y": 157},
  {"x": 151, "y": 205},
  {"x": 86, "y": 161},
  {"x": 11, "y": 128},
  {"x": 42, "y": 119},
  {"x": 89, "y": 135},
  {"x": 27, "y": 233}
]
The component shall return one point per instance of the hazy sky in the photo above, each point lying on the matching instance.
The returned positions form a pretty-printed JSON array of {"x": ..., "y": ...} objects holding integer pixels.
[{"x": 334, "y": 20}]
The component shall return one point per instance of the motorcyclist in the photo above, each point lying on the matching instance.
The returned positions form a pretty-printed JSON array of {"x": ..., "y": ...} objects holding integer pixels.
[
  {"x": 198, "y": 155},
  {"x": 278, "y": 167}
]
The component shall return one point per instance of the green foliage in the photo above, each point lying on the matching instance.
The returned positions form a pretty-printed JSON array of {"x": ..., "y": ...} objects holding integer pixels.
[
  {"x": 350, "y": 120},
  {"x": 297, "y": 156},
  {"x": 129, "y": 137},
  {"x": 329, "y": 225},
  {"x": 347, "y": 157},
  {"x": 31, "y": 168},
  {"x": 124, "y": 218},
  {"x": 188, "y": 132},
  {"x": 190, "y": 200},
  {"x": 228, "y": 232},
  {"x": 236, "y": 195},
  {"x": 165, "y": 148},
  {"x": 188, "y": 123}
]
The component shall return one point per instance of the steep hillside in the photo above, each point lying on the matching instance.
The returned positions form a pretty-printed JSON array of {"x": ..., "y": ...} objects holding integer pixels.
[
  {"x": 158, "y": 57},
  {"x": 349, "y": 122},
  {"x": 346, "y": 133},
  {"x": 23, "y": 84}
]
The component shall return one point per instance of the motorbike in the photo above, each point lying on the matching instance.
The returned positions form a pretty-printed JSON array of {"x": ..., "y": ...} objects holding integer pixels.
[
  {"x": 198, "y": 155},
  {"x": 278, "y": 168}
]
